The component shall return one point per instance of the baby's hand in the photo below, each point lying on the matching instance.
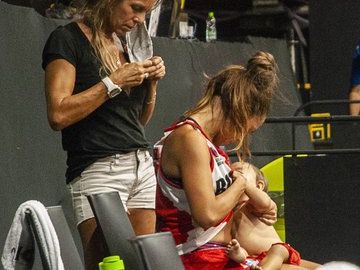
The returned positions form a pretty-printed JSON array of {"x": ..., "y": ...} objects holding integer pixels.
[{"x": 269, "y": 217}]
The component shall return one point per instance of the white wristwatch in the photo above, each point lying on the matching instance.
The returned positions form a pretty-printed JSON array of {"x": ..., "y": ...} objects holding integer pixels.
[{"x": 112, "y": 89}]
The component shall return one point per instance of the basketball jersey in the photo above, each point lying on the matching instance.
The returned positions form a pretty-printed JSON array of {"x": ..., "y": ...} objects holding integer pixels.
[{"x": 172, "y": 209}]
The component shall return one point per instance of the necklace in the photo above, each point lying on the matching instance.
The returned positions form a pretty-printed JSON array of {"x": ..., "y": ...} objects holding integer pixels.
[
  {"x": 119, "y": 47},
  {"x": 116, "y": 57},
  {"x": 118, "y": 62}
]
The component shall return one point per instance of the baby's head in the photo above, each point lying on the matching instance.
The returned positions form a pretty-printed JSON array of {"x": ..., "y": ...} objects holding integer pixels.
[
  {"x": 254, "y": 176},
  {"x": 261, "y": 181},
  {"x": 249, "y": 173}
]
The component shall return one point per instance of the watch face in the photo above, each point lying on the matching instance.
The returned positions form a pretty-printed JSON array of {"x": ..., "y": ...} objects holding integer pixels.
[{"x": 114, "y": 92}]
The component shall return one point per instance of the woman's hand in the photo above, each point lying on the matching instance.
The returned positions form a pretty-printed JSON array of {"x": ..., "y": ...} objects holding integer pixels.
[
  {"x": 160, "y": 70},
  {"x": 153, "y": 74},
  {"x": 239, "y": 178},
  {"x": 246, "y": 170},
  {"x": 133, "y": 74}
]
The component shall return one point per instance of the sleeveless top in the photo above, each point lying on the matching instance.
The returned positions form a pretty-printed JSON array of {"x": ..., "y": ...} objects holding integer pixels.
[{"x": 172, "y": 209}]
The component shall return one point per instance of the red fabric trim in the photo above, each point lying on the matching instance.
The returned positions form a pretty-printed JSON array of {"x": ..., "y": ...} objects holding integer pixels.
[
  {"x": 294, "y": 255},
  {"x": 168, "y": 218},
  {"x": 212, "y": 163},
  {"x": 225, "y": 155},
  {"x": 195, "y": 125},
  {"x": 189, "y": 122}
]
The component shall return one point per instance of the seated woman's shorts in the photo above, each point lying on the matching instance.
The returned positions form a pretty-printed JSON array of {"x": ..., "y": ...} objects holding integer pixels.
[{"x": 131, "y": 174}]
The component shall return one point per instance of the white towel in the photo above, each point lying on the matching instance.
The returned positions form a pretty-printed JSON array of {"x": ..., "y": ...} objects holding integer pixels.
[{"x": 19, "y": 245}]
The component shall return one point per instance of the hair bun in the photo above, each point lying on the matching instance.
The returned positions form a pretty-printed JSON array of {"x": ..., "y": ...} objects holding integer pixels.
[
  {"x": 262, "y": 60},
  {"x": 261, "y": 70}
]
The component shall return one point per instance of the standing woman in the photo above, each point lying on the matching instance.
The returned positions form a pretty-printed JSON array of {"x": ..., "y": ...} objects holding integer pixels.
[
  {"x": 197, "y": 188},
  {"x": 101, "y": 81}
]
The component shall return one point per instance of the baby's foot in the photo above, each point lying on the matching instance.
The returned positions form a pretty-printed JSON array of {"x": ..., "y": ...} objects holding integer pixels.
[
  {"x": 256, "y": 267},
  {"x": 254, "y": 264},
  {"x": 235, "y": 251}
]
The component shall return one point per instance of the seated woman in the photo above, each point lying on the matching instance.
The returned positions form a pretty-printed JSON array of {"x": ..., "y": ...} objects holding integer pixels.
[{"x": 197, "y": 189}]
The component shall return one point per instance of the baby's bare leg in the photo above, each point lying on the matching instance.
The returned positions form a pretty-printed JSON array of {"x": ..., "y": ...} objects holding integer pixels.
[
  {"x": 235, "y": 251},
  {"x": 309, "y": 265},
  {"x": 275, "y": 257}
]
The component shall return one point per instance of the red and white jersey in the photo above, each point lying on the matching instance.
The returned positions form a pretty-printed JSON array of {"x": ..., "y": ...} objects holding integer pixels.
[{"x": 172, "y": 208}]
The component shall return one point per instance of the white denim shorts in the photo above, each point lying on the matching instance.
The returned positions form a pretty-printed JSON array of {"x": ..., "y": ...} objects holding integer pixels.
[{"x": 131, "y": 174}]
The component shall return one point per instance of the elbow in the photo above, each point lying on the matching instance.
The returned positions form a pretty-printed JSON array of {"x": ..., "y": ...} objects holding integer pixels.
[
  {"x": 143, "y": 122},
  {"x": 144, "y": 119},
  {"x": 56, "y": 122},
  {"x": 208, "y": 220}
]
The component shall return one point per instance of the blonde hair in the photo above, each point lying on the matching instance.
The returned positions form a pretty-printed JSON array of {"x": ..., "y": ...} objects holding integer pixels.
[
  {"x": 96, "y": 15},
  {"x": 245, "y": 92}
]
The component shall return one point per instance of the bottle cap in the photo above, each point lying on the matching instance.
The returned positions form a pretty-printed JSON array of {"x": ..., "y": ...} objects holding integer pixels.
[{"x": 111, "y": 263}]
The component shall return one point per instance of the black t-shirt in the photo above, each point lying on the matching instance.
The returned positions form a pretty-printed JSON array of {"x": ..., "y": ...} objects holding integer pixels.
[{"x": 112, "y": 128}]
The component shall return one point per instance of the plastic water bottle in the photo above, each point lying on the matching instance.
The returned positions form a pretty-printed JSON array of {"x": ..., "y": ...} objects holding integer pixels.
[
  {"x": 210, "y": 27},
  {"x": 111, "y": 263}
]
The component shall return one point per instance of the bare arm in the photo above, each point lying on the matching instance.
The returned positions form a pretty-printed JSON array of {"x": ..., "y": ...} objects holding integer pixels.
[
  {"x": 260, "y": 203},
  {"x": 186, "y": 155},
  {"x": 65, "y": 109},
  {"x": 355, "y": 95},
  {"x": 259, "y": 199},
  {"x": 153, "y": 79}
]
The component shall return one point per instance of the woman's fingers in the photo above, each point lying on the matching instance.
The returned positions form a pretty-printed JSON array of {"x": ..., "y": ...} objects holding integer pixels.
[
  {"x": 237, "y": 176},
  {"x": 130, "y": 74},
  {"x": 159, "y": 73},
  {"x": 133, "y": 74},
  {"x": 159, "y": 70},
  {"x": 156, "y": 60},
  {"x": 268, "y": 221}
]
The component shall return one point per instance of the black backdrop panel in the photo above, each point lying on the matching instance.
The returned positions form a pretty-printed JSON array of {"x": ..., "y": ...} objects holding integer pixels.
[
  {"x": 322, "y": 206},
  {"x": 334, "y": 33}
]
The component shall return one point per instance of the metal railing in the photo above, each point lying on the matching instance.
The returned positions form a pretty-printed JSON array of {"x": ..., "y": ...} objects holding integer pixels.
[{"x": 309, "y": 119}]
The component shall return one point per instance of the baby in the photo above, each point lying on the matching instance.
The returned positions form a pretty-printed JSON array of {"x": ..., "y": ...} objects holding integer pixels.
[{"x": 261, "y": 247}]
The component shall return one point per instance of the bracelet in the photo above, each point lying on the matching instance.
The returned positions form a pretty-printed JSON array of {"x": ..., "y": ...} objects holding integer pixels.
[{"x": 152, "y": 100}]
